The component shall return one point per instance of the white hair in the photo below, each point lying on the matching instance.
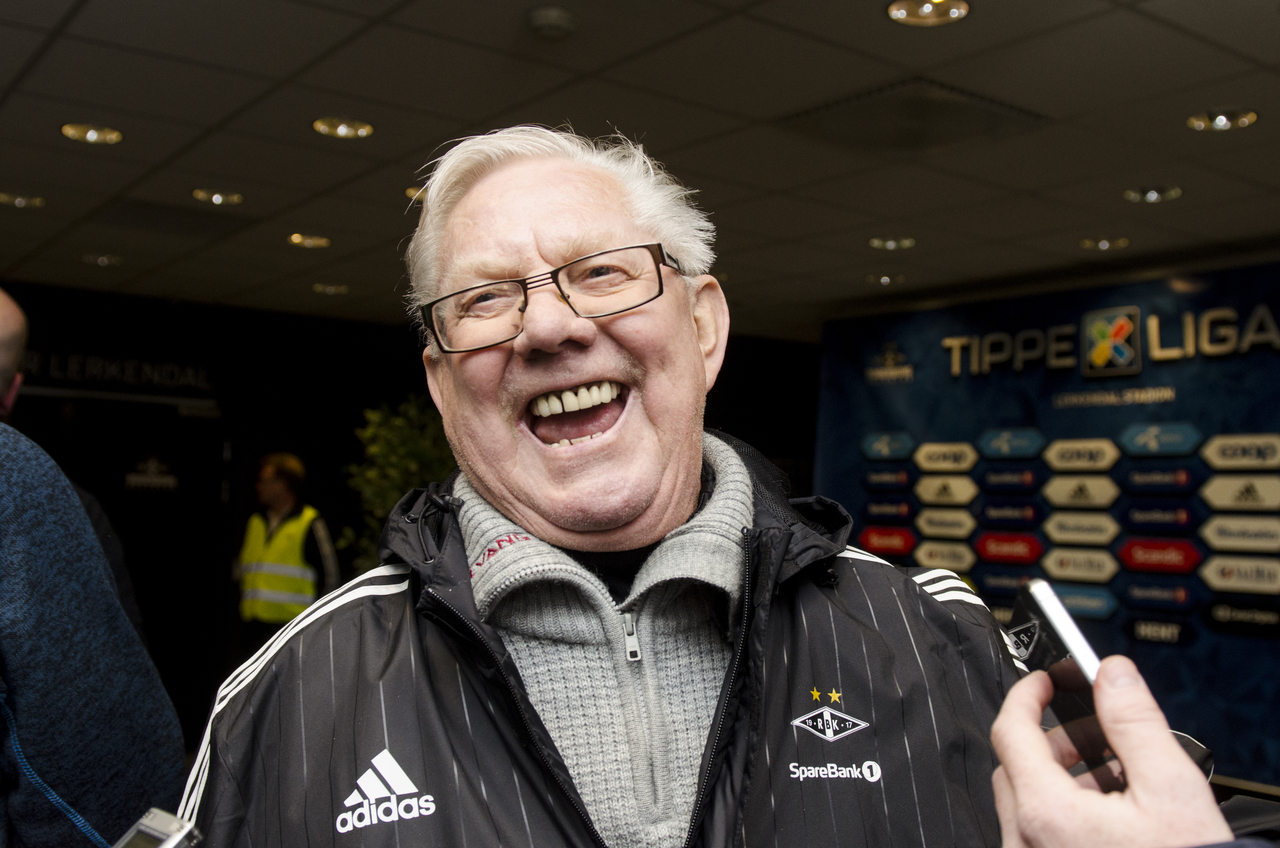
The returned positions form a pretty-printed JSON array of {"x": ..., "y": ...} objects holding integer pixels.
[{"x": 656, "y": 200}]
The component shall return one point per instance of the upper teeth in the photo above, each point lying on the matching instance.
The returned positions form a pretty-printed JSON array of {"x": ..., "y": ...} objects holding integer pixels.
[{"x": 571, "y": 400}]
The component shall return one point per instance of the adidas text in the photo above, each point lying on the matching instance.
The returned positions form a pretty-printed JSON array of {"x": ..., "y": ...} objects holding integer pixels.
[{"x": 390, "y": 810}]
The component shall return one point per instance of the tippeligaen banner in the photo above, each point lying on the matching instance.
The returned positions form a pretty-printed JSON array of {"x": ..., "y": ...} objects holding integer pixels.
[{"x": 1122, "y": 442}]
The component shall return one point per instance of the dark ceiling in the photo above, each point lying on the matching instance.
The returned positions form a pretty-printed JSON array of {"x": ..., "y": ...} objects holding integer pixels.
[{"x": 810, "y": 127}]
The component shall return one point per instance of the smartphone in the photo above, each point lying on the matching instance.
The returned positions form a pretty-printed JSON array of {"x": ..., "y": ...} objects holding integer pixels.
[
  {"x": 158, "y": 829},
  {"x": 1047, "y": 638}
]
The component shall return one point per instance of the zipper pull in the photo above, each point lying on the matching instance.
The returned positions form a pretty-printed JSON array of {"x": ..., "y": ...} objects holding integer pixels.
[{"x": 633, "y": 641}]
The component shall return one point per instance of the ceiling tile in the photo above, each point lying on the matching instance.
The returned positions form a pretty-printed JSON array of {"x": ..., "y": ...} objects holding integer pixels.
[
  {"x": 1052, "y": 155},
  {"x": 389, "y": 220},
  {"x": 1253, "y": 164},
  {"x": 787, "y": 217},
  {"x": 796, "y": 261},
  {"x": 1106, "y": 59},
  {"x": 1247, "y": 26},
  {"x": 92, "y": 74},
  {"x": 1143, "y": 238},
  {"x": 390, "y": 65},
  {"x": 604, "y": 31},
  {"x": 237, "y": 156},
  {"x": 37, "y": 121},
  {"x": 288, "y": 114},
  {"x": 767, "y": 158},
  {"x": 1010, "y": 217},
  {"x": 786, "y": 72},
  {"x": 363, "y": 8},
  {"x": 867, "y": 27},
  {"x": 174, "y": 186},
  {"x": 989, "y": 261},
  {"x": 39, "y": 13},
  {"x": 1227, "y": 221},
  {"x": 898, "y": 190},
  {"x": 16, "y": 47},
  {"x": 240, "y": 34},
  {"x": 182, "y": 282},
  {"x": 595, "y": 108},
  {"x": 1105, "y": 194},
  {"x": 386, "y": 187},
  {"x": 32, "y": 169}
]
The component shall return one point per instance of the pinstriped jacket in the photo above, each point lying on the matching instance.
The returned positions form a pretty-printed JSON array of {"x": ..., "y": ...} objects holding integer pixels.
[{"x": 855, "y": 710}]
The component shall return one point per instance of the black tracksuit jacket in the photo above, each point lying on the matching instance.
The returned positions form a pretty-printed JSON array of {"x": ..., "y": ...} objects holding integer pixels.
[{"x": 855, "y": 710}]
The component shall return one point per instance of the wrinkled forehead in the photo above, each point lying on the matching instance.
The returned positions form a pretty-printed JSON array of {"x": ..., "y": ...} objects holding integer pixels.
[{"x": 531, "y": 215}]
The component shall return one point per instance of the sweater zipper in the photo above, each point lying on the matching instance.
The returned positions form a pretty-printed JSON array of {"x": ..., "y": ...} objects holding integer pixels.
[
  {"x": 524, "y": 718},
  {"x": 703, "y": 784}
]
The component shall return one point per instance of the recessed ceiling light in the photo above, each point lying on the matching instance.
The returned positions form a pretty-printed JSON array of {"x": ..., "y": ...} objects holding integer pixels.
[
  {"x": 927, "y": 13},
  {"x": 217, "y": 198},
  {"x": 300, "y": 240},
  {"x": 886, "y": 279},
  {"x": 1152, "y": 194},
  {"x": 414, "y": 193},
  {"x": 1220, "y": 119},
  {"x": 323, "y": 288},
  {"x": 552, "y": 23},
  {"x": 21, "y": 201},
  {"x": 343, "y": 128},
  {"x": 102, "y": 260},
  {"x": 892, "y": 243},
  {"x": 92, "y": 134},
  {"x": 1104, "y": 244}
]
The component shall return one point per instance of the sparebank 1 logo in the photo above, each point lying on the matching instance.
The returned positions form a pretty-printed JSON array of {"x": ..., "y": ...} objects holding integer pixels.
[{"x": 1111, "y": 342}]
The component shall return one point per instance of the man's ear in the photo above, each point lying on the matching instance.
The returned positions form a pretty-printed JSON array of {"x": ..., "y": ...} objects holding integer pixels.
[
  {"x": 711, "y": 323},
  {"x": 10, "y": 396},
  {"x": 432, "y": 365}
]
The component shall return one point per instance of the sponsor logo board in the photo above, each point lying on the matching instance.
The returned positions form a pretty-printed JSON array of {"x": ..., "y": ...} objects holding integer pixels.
[
  {"x": 888, "y": 479},
  {"x": 1158, "y": 595},
  {"x": 946, "y": 489},
  {"x": 1242, "y": 492},
  {"x": 1009, "y": 513},
  {"x": 1081, "y": 528},
  {"x": 1240, "y": 452},
  {"x": 945, "y": 456},
  {"x": 1001, "y": 579},
  {"x": 886, "y": 540},
  {"x": 945, "y": 523},
  {"x": 1111, "y": 342},
  {"x": 1167, "y": 439},
  {"x": 1081, "y": 454},
  {"x": 1086, "y": 601},
  {"x": 1013, "y": 443},
  {"x": 879, "y": 509},
  {"x": 1010, "y": 478},
  {"x": 1160, "y": 631},
  {"x": 1012, "y": 548},
  {"x": 1081, "y": 491},
  {"x": 1159, "y": 480},
  {"x": 1161, "y": 556},
  {"x": 1249, "y": 575},
  {"x": 887, "y": 445},
  {"x": 1242, "y": 533},
  {"x": 953, "y": 556},
  {"x": 1085, "y": 565},
  {"x": 1244, "y": 620},
  {"x": 1160, "y": 516}
]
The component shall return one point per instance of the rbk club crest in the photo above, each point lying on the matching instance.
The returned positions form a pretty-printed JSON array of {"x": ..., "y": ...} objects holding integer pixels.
[
  {"x": 827, "y": 723},
  {"x": 1111, "y": 342}
]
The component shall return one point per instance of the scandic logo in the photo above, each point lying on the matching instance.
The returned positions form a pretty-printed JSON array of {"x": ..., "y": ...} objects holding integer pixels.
[{"x": 367, "y": 809}]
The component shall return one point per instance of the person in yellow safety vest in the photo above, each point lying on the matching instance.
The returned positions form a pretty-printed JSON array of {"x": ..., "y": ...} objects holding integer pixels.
[{"x": 287, "y": 553}]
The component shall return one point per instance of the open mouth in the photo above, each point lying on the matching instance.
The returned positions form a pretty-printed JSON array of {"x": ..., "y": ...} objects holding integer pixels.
[{"x": 575, "y": 415}]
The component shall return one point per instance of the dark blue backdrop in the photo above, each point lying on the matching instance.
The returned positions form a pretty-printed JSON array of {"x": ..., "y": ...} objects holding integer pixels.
[{"x": 1085, "y": 365}]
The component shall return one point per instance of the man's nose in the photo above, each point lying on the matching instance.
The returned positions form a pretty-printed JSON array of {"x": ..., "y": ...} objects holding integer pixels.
[{"x": 549, "y": 323}]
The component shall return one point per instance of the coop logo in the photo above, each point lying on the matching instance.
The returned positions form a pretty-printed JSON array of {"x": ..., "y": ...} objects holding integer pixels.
[
  {"x": 369, "y": 808},
  {"x": 1111, "y": 342}
]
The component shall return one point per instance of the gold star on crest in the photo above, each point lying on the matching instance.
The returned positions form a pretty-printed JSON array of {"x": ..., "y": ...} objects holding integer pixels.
[
  {"x": 816, "y": 694},
  {"x": 835, "y": 696}
]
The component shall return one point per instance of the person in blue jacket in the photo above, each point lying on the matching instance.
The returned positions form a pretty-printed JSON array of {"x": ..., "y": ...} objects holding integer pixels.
[{"x": 89, "y": 740}]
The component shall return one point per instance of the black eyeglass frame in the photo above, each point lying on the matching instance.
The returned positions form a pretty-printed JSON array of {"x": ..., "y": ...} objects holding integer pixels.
[{"x": 656, "y": 250}]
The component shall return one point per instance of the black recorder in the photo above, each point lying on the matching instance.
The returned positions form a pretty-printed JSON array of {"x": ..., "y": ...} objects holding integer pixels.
[
  {"x": 158, "y": 829},
  {"x": 1047, "y": 638}
]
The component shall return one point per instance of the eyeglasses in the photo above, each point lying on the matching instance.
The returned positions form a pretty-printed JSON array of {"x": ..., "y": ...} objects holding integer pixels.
[{"x": 593, "y": 286}]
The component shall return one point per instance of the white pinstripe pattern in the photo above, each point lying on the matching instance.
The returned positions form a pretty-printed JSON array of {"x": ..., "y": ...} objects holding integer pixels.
[{"x": 242, "y": 676}]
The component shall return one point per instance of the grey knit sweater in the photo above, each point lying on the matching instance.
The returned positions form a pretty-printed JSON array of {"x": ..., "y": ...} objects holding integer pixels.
[{"x": 631, "y": 731}]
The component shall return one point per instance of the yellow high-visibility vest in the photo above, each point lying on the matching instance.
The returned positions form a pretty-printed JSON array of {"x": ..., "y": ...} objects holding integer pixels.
[{"x": 275, "y": 581}]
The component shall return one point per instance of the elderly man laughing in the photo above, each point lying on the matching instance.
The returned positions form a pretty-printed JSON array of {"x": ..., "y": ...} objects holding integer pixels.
[{"x": 609, "y": 627}]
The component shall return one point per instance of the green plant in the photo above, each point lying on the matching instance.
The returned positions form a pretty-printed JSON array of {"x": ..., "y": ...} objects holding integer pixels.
[{"x": 403, "y": 449}]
